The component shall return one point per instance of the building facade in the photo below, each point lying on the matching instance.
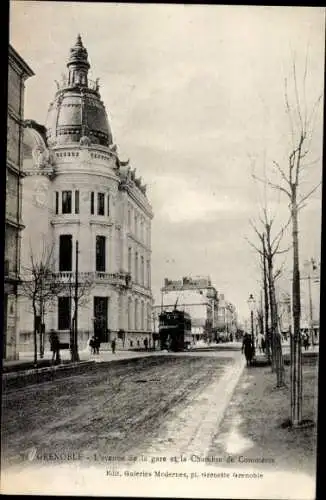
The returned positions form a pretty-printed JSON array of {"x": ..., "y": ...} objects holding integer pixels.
[
  {"x": 78, "y": 192},
  {"x": 196, "y": 296},
  {"x": 227, "y": 321},
  {"x": 18, "y": 73},
  {"x": 310, "y": 300}
]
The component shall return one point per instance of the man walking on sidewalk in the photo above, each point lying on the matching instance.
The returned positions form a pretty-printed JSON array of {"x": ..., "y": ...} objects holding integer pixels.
[
  {"x": 55, "y": 346},
  {"x": 248, "y": 348}
]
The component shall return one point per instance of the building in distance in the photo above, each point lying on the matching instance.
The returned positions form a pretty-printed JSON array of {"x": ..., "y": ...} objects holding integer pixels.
[{"x": 198, "y": 297}]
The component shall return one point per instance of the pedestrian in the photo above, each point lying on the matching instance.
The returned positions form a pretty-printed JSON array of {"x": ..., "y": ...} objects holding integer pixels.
[
  {"x": 92, "y": 344},
  {"x": 306, "y": 343},
  {"x": 55, "y": 346},
  {"x": 113, "y": 346},
  {"x": 97, "y": 344},
  {"x": 248, "y": 348},
  {"x": 145, "y": 344},
  {"x": 263, "y": 344},
  {"x": 259, "y": 342}
]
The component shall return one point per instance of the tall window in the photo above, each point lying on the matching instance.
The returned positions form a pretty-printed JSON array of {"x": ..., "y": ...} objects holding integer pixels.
[
  {"x": 100, "y": 253},
  {"x": 136, "y": 267},
  {"x": 76, "y": 202},
  {"x": 108, "y": 204},
  {"x": 129, "y": 314},
  {"x": 148, "y": 274},
  {"x": 64, "y": 313},
  {"x": 129, "y": 260},
  {"x": 100, "y": 203},
  {"x": 136, "y": 314},
  {"x": 56, "y": 202},
  {"x": 92, "y": 203},
  {"x": 65, "y": 252},
  {"x": 142, "y": 270},
  {"x": 136, "y": 225},
  {"x": 149, "y": 317},
  {"x": 142, "y": 315},
  {"x": 66, "y": 202}
]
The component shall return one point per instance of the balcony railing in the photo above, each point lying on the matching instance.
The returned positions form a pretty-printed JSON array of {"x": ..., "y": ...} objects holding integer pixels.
[
  {"x": 63, "y": 84},
  {"x": 119, "y": 279}
]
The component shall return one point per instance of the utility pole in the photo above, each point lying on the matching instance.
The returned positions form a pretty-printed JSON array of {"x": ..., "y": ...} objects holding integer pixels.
[
  {"x": 72, "y": 321},
  {"x": 76, "y": 355},
  {"x": 310, "y": 305}
]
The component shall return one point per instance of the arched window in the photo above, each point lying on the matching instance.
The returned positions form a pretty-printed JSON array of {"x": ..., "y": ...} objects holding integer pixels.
[
  {"x": 148, "y": 272},
  {"x": 149, "y": 310},
  {"x": 129, "y": 260},
  {"x": 142, "y": 316},
  {"x": 129, "y": 314},
  {"x": 136, "y": 225},
  {"x": 142, "y": 270},
  {"x": 136, "y": 267},
  {"x": 136, "y": 314}
]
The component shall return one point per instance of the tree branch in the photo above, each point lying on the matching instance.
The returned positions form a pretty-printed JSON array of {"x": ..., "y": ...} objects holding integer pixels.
[
  {"x": 300, "y": 203},
  {"x": 297, "y": 95},
  {"x": 281, "y": 171},
  {"x": 254, "y": 246},
  {"x": 274, "y": 186}
]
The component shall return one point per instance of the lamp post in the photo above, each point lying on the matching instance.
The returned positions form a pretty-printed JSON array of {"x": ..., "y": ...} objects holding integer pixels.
[
  {"x": 309, "y": 266},
  {"x": 251, "y": 304},
  {"x": 75, "y": 355}
]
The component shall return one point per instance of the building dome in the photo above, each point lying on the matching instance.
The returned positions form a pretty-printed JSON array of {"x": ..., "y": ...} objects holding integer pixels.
[{"x": 77, "y": 110}]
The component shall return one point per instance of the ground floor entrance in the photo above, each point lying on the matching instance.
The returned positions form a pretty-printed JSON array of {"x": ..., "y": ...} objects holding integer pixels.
[{"x": 100, "y": 307}]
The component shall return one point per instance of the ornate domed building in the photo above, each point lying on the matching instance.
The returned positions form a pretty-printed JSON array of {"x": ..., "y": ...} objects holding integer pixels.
[
  {"x": 77, "y": 110},
  {"x": 86, "y": 211}
]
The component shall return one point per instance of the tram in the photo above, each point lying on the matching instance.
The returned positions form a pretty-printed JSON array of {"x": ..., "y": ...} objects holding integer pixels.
[{"x": 175, "y": 330}]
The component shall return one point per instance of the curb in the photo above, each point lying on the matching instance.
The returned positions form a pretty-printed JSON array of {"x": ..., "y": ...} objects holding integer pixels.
[
  {"x": 41, "y": 371},
  {"x": 229, "y": 382},
  {"x": 22, "y": 378}
]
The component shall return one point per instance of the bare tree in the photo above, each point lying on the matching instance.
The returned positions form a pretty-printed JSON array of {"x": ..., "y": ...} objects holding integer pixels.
[
  {"x": 38, "y": 284},
  {"x": 269, "y": 248},
  {"x": 76, "y": 286},
  {"x": 302, "y": 126}
]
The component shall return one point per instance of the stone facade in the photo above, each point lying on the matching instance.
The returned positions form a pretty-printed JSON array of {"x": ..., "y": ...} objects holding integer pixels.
[
  {"x": 77, "y": 189},
  {"x": 227, "y": 317},
  {"x": 18, "y": 72},
  {"x": 198, "y": 297}
]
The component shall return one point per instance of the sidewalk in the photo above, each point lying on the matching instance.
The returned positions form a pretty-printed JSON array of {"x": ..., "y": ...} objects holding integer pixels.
[
  {"x": 311, "y": 353},
  {"x": 84, "y": 355},
  {"x": 107, "y": 355},
  {"x": 256, "y": 434}
]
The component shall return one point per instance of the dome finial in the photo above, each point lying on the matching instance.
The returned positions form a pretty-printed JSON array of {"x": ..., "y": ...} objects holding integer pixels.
[{"x": 79, "y": 40}]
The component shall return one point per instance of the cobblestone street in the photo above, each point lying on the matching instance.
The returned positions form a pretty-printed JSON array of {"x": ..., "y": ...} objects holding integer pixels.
[{"x": 147, "y": 404}]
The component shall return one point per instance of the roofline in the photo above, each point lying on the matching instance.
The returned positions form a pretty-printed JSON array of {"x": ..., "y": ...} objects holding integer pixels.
[{"x": 24, "y": 66}]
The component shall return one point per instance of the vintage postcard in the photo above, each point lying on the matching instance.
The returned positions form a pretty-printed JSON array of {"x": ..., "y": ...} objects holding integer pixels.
[{"x": 162, "y": 250}]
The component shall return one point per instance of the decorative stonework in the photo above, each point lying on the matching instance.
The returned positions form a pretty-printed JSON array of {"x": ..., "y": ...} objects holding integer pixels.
[{"x": 85, "y": 141}]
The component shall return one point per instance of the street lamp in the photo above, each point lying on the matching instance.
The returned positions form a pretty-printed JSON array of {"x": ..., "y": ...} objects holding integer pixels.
[
  {"x": 309, "y": 266},
  {"x": 251, "y": 304}
]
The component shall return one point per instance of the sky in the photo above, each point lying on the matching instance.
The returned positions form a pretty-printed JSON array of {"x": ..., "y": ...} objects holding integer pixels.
[{"x": 195, "y": 99}]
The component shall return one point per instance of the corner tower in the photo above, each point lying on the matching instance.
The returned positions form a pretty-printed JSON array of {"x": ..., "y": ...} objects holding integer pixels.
[{"x": 77, "y": 110}]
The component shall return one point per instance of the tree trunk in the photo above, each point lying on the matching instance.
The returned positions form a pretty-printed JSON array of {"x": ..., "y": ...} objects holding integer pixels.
[
  {"x": 41, "y": 329},
  {"x": 73, "y": 340},
  {"x": 266, "y": 309},
  {"x": 296, "y": 366},
  {"x": 277, "y": 357},
  {"x": 35, "y": 334}
]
